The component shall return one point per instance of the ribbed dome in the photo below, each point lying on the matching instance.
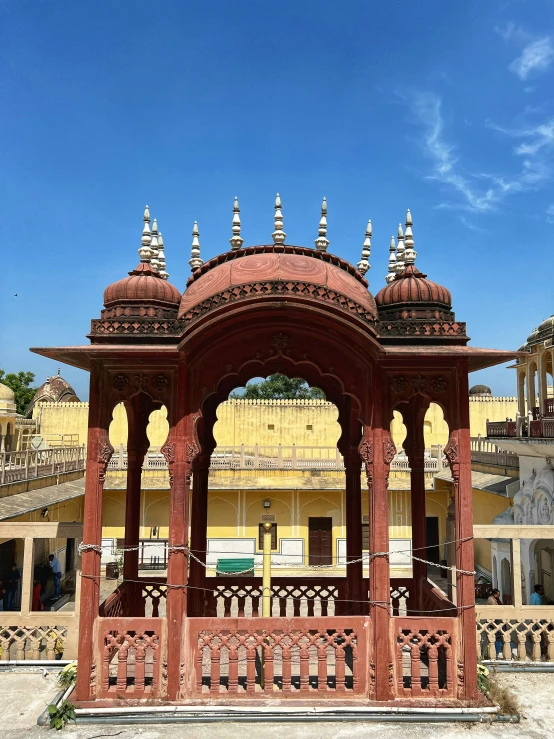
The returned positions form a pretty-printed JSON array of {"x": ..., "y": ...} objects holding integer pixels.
[
  {"x": 411, "y": 286},
  {"x": 143, "y": 285},
  {"x": 274, "y": 270},
  {"x": 480, "y": 390},
  {"x": 6, "y": 393}
]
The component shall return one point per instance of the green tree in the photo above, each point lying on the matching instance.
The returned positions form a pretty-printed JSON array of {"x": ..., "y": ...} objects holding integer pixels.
[
  {"x": 21, "y": 384},
  {"x": 279, "y": 387}
]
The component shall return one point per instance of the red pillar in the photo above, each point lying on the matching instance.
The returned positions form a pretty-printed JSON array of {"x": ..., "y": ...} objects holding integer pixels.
[
  {"x": 179, "y": 450},
  {"x": 377, "y": 452},
  {"x": 199, "y": 536},
  {"x": 354, "y": 572},
  {"x": 458, "y": 453},
  {"x": 137, "y": 446},
  {"x": 415, "y": 448},
  {"x": 99, "y": 451}
]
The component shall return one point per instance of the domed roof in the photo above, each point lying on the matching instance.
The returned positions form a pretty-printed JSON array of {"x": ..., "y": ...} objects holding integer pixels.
[
  {"x": 144, "y": 285},
  {"x": 544, "y": 331},
  {"x": 54, "y": 390},
  {"x": 412, "y": 288},
  {"x": 277, "y": 270},
  {"x": 6, "y": 393},
  {"x": 480, "y": 390}
]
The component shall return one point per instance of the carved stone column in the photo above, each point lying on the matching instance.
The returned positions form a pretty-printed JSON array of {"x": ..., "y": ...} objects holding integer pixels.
[
  {"x": 354, "y": 572},
  {"x": 415, "y": 449},
  {"x": 377, "y": 452},
  {"x": 458, "y": 453},
  {"x": 199, "y": 536},
  {"x": 138, "y": 411},
  {"x": 99, "y": 452},
  {"x": 180, "y": 451}
]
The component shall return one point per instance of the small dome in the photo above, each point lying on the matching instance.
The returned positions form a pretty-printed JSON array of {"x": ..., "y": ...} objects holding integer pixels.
[
  {"x": 412, "y": 295},
  {"x": 411, "y": 286},
  {"x": 54, "y": 390},
  {"x": 6, "y": 393},
  {"x": 480, "y": 390},
  {"x": 544, "y": 331},
  {"x": 143, "y": 285}
]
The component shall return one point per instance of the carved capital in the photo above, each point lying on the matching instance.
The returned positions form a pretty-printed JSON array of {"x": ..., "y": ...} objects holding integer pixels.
[
  {"x": 451, "y": 452},
  {"x": 366, "y": 451},
  {"x": 168, "y": 450},
  {"x": 389, "y": 450},
  {"x": 105, "y": 451}
]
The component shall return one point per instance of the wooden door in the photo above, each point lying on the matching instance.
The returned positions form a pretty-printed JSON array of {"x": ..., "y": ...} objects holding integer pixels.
[{"x": 320, "y": 543}]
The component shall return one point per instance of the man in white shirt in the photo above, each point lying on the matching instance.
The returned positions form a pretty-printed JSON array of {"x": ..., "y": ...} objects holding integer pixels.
[{"x": 57, "y": 572}]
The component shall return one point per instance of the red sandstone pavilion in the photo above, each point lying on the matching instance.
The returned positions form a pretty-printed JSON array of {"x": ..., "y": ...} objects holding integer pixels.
[{"x": 249, "y": 312}]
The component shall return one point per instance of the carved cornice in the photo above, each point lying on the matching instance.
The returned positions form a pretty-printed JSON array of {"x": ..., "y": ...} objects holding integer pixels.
[
  {"x": 425, "y": 329},
  {"x": 136, "y": 326},
  {"x": 278, "y": 288}
]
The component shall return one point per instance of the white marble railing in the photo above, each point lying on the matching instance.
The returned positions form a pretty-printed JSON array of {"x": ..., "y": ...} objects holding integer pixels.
[
  {"x": 28, "y": 464},
  {"x": 245, "y": 457}
]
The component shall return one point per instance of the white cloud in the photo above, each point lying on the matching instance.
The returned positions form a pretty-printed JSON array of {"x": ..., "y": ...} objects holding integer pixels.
[
  {"x": 538, "y": 55},
  {"x": 538, "y": 138},
  {"x": 427, "y": 108},
  {"x": 480, "y": 192}
]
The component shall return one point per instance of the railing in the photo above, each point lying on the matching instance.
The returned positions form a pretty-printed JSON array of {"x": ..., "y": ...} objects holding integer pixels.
[
  {"x": 32, "y": 642},
  {"x": 538, "y": 428},
  {"x": 501, "y": 429},
  {"x": 435, "y": 602},
  {"x": 487, "y": 452},
  {"x": 237, "y": 597},
  {"x": 269, "y": 458},
  {"x": 231, "y": 597},
  {"x": 31, "y": 463},
  {"x": 525, "y": 638},
  {"x": 257, "y": 657},
  {"x": 549, "y": 407},
  {"x": 425, "y": 659},
  {"x": 130, "y": 658}
]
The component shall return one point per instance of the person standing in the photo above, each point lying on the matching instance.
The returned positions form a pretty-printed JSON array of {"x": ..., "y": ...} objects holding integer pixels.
[
  {"x": 57, "y": 572},
  {"x": 538, "y": 597},
  {"x": 13, "y": 587}
]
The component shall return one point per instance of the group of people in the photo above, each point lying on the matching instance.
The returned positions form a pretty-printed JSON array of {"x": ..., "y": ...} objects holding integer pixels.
[
  {"x": 538, "y": 598},
  {"x": 9, "y": 587}
]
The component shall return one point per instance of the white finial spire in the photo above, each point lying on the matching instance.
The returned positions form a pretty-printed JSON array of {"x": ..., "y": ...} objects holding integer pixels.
[
  {"x": 400, "y": 251},
  {"x": 322, "y": 242},
  {"x": 161, "y": 258},
  {"x": 195, "y": 261},
  {"x": 145, "y": 252},
  {"x": 235, "y": 240},
  {"x": 154, "y": 246},
  {"x": 278, "y": 235},
  {"x": 411, "y": 253},
  {"x": 363, "y": 264},
  {"x": 392, "y": 261}
]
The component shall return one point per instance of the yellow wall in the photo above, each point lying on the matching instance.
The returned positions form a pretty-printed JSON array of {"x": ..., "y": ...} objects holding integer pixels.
[
  {"x": 485, "y": 508},
  {"x": 249, "y": 422}
]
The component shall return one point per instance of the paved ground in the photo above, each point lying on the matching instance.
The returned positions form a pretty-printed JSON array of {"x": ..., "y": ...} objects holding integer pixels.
[{"x": 24, "y": 696}]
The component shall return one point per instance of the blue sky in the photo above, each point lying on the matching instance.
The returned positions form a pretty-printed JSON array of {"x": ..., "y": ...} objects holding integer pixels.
[{"x": 446, "y": 108}]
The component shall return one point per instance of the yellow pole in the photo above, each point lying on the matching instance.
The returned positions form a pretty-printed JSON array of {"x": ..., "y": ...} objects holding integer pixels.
[
  {"x": 266, "y": 589},
  {"x": 266, "y": 580}
]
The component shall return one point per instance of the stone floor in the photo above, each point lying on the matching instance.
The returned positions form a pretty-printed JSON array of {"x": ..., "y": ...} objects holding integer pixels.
[{"x": 25, "y": 695}]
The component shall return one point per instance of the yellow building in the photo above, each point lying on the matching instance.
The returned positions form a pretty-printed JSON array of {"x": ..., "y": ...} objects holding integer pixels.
[{"x": 275, "y": 460}]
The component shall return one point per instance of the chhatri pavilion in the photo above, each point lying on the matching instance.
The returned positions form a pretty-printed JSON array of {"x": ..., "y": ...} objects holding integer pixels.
[{"x": 303, "y": 312}]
